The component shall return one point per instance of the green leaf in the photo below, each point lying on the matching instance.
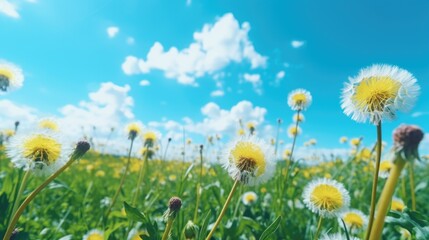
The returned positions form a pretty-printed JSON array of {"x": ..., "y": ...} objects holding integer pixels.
[
  {"x": 271, "y": 229},
  {"x": 134, "y": 214},
  {"x": 203, "y": 229}
]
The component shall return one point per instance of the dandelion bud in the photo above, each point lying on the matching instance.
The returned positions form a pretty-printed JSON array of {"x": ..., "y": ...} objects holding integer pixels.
[
  {"x": 191, "y": 230},
  {"x": 16, "y": 125},
  {"x": 81, "y": 148},
  {"x": 169, "y": 139},
  {"x": 279, "y": 120},
  {"x": 406, "y": 141},
  {"x": 174, "y": 206}
]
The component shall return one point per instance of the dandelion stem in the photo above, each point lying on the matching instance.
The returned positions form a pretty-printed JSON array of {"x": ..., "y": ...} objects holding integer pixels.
[
  {"x": 106, "y": 215},
  {"x": 199, "y": 185},
  {"x": 20, "y": 191},
  {"x": 374, "y": 183},
  {"x": 413, "y": 194},
  {"x": 140, "y": 179},
  {"x": 234, "y": 187},
  {"x": 319, "y": 227},
  {"x": 168, "y": 228},
  {"x": 279, "y": 122},
  {"x": 32, "y": 195},
  {"x": 386, "y": 197}
]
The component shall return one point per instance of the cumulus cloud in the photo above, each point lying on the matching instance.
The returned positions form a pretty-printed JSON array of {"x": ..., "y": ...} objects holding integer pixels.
[
  {"x": 8, "y": 9},
  {"x": 214, "y": 47},
  {"x": 297, "y": 44},
  {"x": 112, "y": 31},
  {"x": 418, "y": 114},
  {"x": 255, "y": 80},
  {"x": 144, "y": 83},
  {"x": 217, "y": 93},
  {"x": 11, "y": 112}
]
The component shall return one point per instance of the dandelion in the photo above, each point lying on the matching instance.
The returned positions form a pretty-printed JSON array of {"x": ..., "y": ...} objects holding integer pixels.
[
  {"x": 293, "y": 131},
  {"x": 385, "y": 167},
  {"x": 343, "y": 139},
  {"x": 133, "y": 129},
  {"x": 189, "y": 141},
  {"x": 299, "y": 99},
  {"x": 251, "y": 127},
  {"x": 41, "y": 152},
  {"x": 354, "y": 219},
  {"x": 11, "y": 76},
  {"x": 94, "y": 234},
  {"x": 312, "y": 142},
  {"x": 298, "y": 117},
  {"x": 397, "y": 205},
  {"x": 355, "y": 142},
  {"x": 287, "y": 153},
  {"x": 249, "y": 198},
  {"x": 249, "y": 160},
  {"x": 241, "y": 132},
  {"x": 326, "y": 197},
  {"x": 174, "y": 206},
  {"x": 149, "y": 138},
  {"x": 191, "y": 230},
  {"x": 48, "y": 124}
]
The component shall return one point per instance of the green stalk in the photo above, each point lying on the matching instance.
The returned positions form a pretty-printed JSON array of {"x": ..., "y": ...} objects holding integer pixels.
[
  {"x": 386, "y": 198},
  {"x": 277, "y": 137},
  {"x": 412, "y": 190},
  {"x": 168, "y": 228},
  {"x": 199, "y": 186},
  {"x": 374, "y": 183},
  {"x": 140, "y": 179},
  {"x": 127, "y": 166},
  {"x": 20, "y": 191},
  {"x": 228, "y": 200},
  {"x": 319, "y": 227}
]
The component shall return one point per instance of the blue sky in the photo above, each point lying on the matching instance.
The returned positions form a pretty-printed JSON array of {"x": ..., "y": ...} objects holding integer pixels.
[{"x": 66, "y": 53}]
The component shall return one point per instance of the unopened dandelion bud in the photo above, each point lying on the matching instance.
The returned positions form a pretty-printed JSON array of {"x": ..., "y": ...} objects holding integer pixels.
[
  {"x": 406, "y": 141},
  {"x": 174, "y": 206},
  {"x": 191, "y": 230},
  {"x": 81, "y": 148},
  {"x": 169, "y": 139},
  {"x": 16, "y": 125}
]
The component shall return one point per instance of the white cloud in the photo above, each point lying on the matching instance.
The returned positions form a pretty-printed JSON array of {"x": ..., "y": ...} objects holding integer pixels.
[
  {"x": 130, "y": 40},
  {"x": 188, "y": 2},
  {"x": 297, "y": 44},
  {"x": 112, "y": 31},
  {"x": 9, "y": 9},
  {"x": 280, "y": 75},
  {"x": 215, "y": 47},
  {"x": 424, "y": 145},
  {"x": 144, "y": 83},
  {"x": 11, "y": 112},
  {"x": 418, "y": 114},
  {"x": 217, "y": 93},
  {"x": 255, "y": 80}
]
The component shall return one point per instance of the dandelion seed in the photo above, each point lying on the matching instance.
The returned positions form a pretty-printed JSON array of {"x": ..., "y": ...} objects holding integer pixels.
[
  {"x": 249, "y": 160},
  {"x": 299, "y": 99},
  {"x": 249, "y": 198},
  {"x": 11, "y": 77},
  {"x": 42, "y": 152},
  {"x": 378, "y": 92},
  {"x": 326, "y": 197},
  {"x": 94, "y": 235}
]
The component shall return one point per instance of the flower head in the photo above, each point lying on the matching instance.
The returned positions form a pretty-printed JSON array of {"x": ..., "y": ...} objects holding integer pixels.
[
  {"x": 174, "y": 206},
  {"x": 191, "y": 230},
  {"x": 240, "y": 132},
  {"x": 48, "y": 124},
  {"x": 326, "y": 197},
  {"x": 343, "y": 139},
  {"x": 293, "y": 130},
  {"x": 299, "y": 99},
  {"x": 406, "y": 141},
  {"x": 94, "y": 234},
  {"x": 249, "y": 160},
  {"x": 249, "y": 198},
  {"x": 11, "y": 76},
  {"x": 150, "y": 138},
  {"x": 355, "y": 142},
  {"x": 354, "y": 219},
  {"x": 378, "y": 92},
  {"x": 42, "y": 152},
  {"x": 385, "y": 167},
  {"x": 397, "y": 205},
  {"x": 287, "y": 153},
  {"x": 298, "y": 117}
]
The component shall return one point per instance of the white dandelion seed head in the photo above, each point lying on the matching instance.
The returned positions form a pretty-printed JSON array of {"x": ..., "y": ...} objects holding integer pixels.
[
  {"x": 11, "y": 76},
  {"x": 402, "y": 99},
  {"x": 326, "y": 197},
  {"x": 22, "y": 157},
  {"x": 299, "y": 99},
  {"x": 249, "y": 198},
  {"x": 257, "y": 157}
]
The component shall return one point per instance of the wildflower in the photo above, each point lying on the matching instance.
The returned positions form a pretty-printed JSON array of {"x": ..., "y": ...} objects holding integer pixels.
[
  {"x": 378, "y": 92},
  {"x": 42, "y": 152},
  {"x": 326, "y": 197},
  {"x": 188, "y": 141},
  {"x": 100, "y": 173},
  {"x": 191, "y": 230},
  {"x": 240, "y": 132},
  {"x": 287, "y": 153},
  {"x": 365, "y": 154},
  {"x": 94, "y": 234},
  {"x": 343, "y": 139},
  {"x": 406, "y": 141},
  {"x": 11, "y": 76},
  {"x": 293, "y": 130},
  {"x": 149, "y": 153},
  {"x": 48, "y": 124},
  {"x": 354, "y": 219},
  {"x": 251, "y": 127},
  {"x": 299, "y": 99},
  {"x": 174, "y": 206},
  {"x": 249, "y": 160},
  {"x": 149, "y": 138},
  {"x": 385, "y": 167},
  {"x": 397, "y": 205},
  {"x": 312, "y": 142},
  {"x": 298, "y": 117},
  {"x": 133, "y": 130},
  {"x": 249, "y": 198},
  {"x": 355, "y": 142}
]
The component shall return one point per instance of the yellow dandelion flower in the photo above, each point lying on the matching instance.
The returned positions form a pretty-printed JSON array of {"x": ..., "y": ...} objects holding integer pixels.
[
  {"x": 94, "y": 235},
  {"x": 249, "y": 198},
  {"x": 326, "y": 197},
  {"x": 41, "y": 152},
  {"x": 48, "y": 124},
  {"x": 263, "y": 190},
  {"x": 365, "y": 154},
  {"x": 149, "y": 138},
  {"x": 293, "y": 130},
  {"x": 241, "y": 132},
  {"x": 385, "y": 167},
  {"x": 287, "y": 153},
  {"x": 378, "y": 92},
  {"x": 397, "y": 205},
  {"x": 343, "y": 139},
  {"x": 11, "y": 76},
  {"x": 133, "y": 129},
  {"x": 172, "y": 177},
  {"x": 100, "y": 173},
  {"x": 9, "y": 133},
  {"x": 298, "y": 117},
  {"x": 299, "y": 99},
  {"x": 354, "y": 219},
  {"x": 355, "y": 142},
  {"x": 249, "y": 160},
  {"x": 189, "y": 141}
]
